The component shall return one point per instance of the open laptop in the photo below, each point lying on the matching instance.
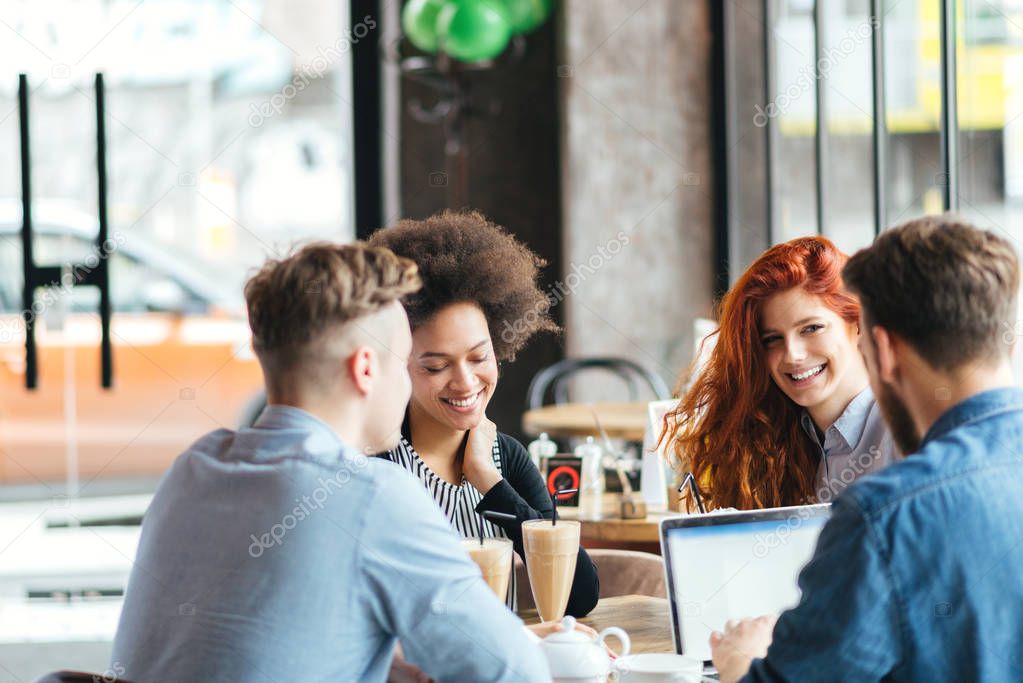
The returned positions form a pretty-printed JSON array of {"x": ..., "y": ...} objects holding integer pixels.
[{"x": 730, "y": 565}]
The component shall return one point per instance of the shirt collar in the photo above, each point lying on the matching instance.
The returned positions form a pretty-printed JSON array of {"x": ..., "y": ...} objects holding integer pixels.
[
  {"x": 851, "y": 423},
  {"x": 321, "y": 436},
  {"x": 853, "y": 420},
  {"x": 976, "y": 407}
]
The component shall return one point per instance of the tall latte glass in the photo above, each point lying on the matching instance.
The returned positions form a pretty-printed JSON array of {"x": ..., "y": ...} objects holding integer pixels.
[
  {"x": 494, "y": 558},
  {"x": 551, "y": 552}
]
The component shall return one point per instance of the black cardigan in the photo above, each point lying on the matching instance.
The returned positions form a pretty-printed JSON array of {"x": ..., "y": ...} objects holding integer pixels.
[{"x": 523, "y": 493}]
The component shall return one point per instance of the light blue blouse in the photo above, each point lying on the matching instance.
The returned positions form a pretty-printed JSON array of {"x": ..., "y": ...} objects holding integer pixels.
[{"x": 858, "y": 443}]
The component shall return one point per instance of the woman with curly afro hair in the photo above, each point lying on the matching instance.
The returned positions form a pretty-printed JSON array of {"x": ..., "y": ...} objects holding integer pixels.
[{"x": 479, "y": 305}]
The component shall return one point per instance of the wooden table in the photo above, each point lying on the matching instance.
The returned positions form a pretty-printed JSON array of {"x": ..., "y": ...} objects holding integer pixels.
[
  {"x": 620, "y": 420},
  {"x": 645, "y": 619}
]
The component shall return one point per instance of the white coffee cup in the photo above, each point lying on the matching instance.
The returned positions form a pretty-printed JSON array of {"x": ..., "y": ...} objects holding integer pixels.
[{"x": 657, "y": 668}]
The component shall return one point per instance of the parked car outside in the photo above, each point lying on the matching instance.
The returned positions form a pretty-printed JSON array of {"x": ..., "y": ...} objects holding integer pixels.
[{"x": 182, "y": 356}]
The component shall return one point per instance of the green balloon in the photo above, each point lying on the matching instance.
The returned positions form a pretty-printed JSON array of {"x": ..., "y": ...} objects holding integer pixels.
[
  {"x": 473, "y": 30},
  {"x": 525, "y": 15},
  {"x": 419, "y": 22}
]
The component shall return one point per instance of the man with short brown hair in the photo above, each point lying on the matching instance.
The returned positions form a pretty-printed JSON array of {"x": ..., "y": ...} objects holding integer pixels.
[
  {"x": 281, "y": 552},
  {"x": 917, "y": 575}
]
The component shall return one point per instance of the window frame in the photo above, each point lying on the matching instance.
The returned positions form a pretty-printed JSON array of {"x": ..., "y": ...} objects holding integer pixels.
[{"x": 729, "y": 231}]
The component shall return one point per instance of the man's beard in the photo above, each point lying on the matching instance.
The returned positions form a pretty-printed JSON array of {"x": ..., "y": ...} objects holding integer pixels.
[{"x": 900, "y": 423}]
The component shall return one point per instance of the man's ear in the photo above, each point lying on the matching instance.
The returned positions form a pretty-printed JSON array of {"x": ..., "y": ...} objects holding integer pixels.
[
  {"x": 361, "y": 368},
  {"x": 886, "y": 346}
]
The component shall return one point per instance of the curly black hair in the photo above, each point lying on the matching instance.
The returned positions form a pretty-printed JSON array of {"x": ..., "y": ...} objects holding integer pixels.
[{"x": 463, "y": 257}]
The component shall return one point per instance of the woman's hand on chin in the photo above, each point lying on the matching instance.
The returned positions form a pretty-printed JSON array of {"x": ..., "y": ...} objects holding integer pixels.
[{"x": 478, "y": 463}]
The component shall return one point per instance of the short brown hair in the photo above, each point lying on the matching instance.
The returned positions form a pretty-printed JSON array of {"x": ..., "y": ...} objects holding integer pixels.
[
  {"x": 294, "y": 300},
  {"x": 464, "y": 258},
  {"x": 945, "y": 286}
]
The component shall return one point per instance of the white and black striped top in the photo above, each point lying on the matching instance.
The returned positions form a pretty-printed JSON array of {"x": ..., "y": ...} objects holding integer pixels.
[{"x": 458, "y": 503}]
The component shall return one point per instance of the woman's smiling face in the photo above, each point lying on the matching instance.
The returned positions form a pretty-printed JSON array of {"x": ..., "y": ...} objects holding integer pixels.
[
  {"x": 452, "y": 366},
  {"x": 811, "y": 351}
]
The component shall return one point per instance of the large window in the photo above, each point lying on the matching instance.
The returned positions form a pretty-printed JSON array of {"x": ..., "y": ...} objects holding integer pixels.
[
  {"x": 846, "y": 117},
  {"x": 228, "y": 132}
]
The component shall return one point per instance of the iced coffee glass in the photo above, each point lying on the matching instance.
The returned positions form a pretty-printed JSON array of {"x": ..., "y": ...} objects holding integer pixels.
[
  {"x": 551, "y": 552},
  {"x": 494, "y": 558}
]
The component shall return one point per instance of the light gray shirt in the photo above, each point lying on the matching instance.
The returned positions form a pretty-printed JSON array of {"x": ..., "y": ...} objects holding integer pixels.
[
  {"x": 856, "y": 444},
  {"x": 277, "y": 553}
]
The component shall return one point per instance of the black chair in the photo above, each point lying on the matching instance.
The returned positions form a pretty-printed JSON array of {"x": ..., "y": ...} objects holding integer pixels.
[
  {"x": 79, "y": 677},
  {"x": 555, "y": 377}
]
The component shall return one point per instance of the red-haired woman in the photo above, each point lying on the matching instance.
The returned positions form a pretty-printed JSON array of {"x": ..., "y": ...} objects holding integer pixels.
[{"x": 782, "y": 413}]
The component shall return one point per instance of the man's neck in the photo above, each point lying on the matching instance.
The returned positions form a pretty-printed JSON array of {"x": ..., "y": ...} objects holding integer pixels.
[
  {"x": 933, "y": 393},
  {"x": 338, "y": 414}
]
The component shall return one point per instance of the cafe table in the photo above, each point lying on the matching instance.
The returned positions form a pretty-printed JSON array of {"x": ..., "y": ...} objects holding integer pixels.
[
  {"x": 566, "y": 420},
  {"x": 644, "y": 618}
]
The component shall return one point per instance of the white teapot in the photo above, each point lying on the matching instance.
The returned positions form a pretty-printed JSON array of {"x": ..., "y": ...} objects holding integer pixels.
[{"x": 574, "y": 657}]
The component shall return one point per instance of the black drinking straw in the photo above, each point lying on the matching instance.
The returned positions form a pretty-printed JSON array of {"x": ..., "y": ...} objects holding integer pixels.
[
  {"x": 554, "y": 500},
  {"x": 493, "y": 516},
  {"x": 694, "y": 490}
]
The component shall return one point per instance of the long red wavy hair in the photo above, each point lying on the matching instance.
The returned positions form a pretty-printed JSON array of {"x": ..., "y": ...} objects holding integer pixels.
[{"x": 734, "y": 429}]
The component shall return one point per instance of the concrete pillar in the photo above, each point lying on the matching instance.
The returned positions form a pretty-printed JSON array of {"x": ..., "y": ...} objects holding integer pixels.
[{"x": 636, "y": 178}]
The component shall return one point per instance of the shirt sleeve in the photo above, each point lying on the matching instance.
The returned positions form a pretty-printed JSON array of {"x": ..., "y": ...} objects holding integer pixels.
[
  {"x": 425, "y": 590},
  {"x": 523, "y": 493},
  {"x": 845, "y": 627}
]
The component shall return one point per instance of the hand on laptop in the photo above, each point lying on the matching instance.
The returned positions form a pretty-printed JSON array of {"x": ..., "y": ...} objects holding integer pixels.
[{"x": 741, "y": 643}]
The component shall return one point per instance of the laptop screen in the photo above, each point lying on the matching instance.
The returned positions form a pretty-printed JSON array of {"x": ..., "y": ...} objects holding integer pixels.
[{"x": 735, "y": 565}]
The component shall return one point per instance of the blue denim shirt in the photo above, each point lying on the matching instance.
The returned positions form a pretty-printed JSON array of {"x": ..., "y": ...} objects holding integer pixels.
[
  {"x": 918, "y": 575},
  {"x": 276, "y": 553}
]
